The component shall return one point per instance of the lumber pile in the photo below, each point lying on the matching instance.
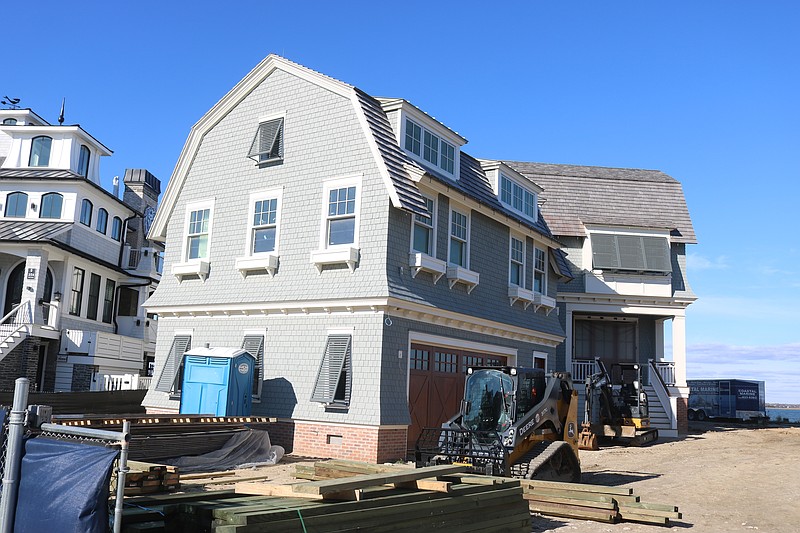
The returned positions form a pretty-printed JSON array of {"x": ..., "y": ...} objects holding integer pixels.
[
  {"x": 149, "y": 478},
  {"x": 408, "y": 499},
  {"x": 566, "y": 500}
]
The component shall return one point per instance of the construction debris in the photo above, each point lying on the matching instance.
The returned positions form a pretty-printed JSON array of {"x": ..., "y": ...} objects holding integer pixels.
[{"x": 149, "y": 478}]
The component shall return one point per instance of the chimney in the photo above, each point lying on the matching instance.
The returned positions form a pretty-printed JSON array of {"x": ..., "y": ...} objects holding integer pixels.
[{"x": 116, "y": 186}]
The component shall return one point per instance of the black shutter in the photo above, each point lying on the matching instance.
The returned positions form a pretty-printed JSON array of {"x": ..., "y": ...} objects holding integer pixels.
[
  {"x": 268, "y": 142},
  {"x": 335, "y": 366},
  {"x": 604, "y": 251},
  {"x": 656, "y": 254},
  {"x": 180, "y": 344}
]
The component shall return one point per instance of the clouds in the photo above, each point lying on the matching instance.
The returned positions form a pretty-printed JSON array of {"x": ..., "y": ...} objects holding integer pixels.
[
  {"x": 699, "y": 262},
  {"x": 778, "y": 365}
]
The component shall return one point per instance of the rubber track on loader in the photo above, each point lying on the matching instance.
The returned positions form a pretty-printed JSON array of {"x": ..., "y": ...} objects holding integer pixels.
[{"x": 549, "y": 461}]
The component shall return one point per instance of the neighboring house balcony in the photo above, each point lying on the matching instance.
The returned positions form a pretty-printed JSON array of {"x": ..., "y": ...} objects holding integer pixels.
[
  {"x": 107, "y": 353},
  {"x": 143, "y": 261},
  {"x": 628, "y": 284},
  {"x": 137, "y": 327}
]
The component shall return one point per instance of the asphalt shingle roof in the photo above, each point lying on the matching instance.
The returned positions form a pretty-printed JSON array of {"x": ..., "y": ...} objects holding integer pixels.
[{"x": 574, "y": 196}]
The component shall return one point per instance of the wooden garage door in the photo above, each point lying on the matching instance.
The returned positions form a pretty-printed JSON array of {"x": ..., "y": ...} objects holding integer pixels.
[{"x": 436, "y": 384}]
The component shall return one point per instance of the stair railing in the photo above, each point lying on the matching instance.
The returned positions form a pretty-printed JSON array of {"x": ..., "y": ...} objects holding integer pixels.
[
  {"x": 662, "y": 391},
  {"x": 16, "y": 320}
]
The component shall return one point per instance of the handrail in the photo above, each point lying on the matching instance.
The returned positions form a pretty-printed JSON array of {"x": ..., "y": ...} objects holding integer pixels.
[
  {"x": 662, "y": 391},
  {"x": 11, "y": 313}
]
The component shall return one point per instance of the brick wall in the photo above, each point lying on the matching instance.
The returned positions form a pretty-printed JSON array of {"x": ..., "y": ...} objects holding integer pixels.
[
  {"x": 20, "y": 363},
  {"x": 357, "y": 443},
  {"x": 683, "y": 419},
  {"x": 82, "y": 377}
]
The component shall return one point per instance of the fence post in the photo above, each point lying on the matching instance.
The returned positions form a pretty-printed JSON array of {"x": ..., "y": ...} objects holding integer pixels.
[
  {"x": 121, "y": 473},
  {"x": 16, "y": 422}
]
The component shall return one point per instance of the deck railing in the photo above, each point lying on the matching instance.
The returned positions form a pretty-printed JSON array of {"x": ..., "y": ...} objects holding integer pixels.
[{"x": 582, "y": 369}]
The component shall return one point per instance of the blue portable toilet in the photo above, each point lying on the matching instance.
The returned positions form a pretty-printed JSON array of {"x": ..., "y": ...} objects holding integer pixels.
[{"x": 217, "y": 381}]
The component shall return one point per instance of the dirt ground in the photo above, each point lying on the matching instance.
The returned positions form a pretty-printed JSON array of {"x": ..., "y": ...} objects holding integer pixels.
[{"x": 723, "y": 479}]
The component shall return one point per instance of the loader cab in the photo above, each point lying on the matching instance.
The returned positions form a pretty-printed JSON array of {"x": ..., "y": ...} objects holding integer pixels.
[{"x": 496, "y": 397}]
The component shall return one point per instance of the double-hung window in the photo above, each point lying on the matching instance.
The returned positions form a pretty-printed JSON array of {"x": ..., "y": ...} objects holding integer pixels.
[
  {"x": 459, "y": 231},
  {"x": 413, "y": 137},
  {"x": 423, "y": 238},
  {"x": 517, "y": 263},
  {"x": 94, "y": 296},
  {"x": 341, "y": 218},
  {"x": 264, "y": 232},
  {"x": 430, "y": 147},
  {"x": 539, "y": 271},
  {"x": 197, "y": 234},
  {"x": 116, "y": 229},
  {"x": 76, "y": 294}
]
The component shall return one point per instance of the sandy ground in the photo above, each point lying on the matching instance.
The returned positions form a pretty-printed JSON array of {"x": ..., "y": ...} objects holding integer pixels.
[{"x": 723, "y": 479}]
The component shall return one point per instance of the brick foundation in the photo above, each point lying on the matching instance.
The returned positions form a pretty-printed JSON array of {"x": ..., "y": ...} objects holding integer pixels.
[
  {"x": 371, "y": 444},
  {"x": 683, "y": 419},
  {"x": 20, "y": 363}
]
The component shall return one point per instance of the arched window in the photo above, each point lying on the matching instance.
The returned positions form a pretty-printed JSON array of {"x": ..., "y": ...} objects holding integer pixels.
[
  {"x": 102, "y": 220},
  {"x": 16, "y": 204},
  {"x": 40, "y": 151},
  {"x": 51, "y": 205},
  {"x": 116, "y": 229},
  {"x": 86, "y": 213},
  {"x": 83, "y": 161},
  {"x": 9, "y": 122}
]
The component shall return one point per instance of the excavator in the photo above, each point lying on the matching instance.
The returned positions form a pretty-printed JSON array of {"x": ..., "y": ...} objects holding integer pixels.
[
  {"x": 623, "y": 409},
  {"x": 513, "y": 422}
]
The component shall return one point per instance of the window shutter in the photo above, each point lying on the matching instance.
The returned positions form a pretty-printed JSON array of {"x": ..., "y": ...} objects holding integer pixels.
[
  {"x": 268, "y": 142},
  {"x": 656, "y": 254},
  {"x": 254, "y": 345},
  {"x": 604, "y": 251},
  {"x": 335, "y": 360},
  {"x": 180, "y": 345},
  {"x": 631, "y": 252}
]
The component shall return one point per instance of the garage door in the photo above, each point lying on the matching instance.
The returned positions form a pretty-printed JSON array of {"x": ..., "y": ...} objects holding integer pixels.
[{"x": 436, "y": 384}]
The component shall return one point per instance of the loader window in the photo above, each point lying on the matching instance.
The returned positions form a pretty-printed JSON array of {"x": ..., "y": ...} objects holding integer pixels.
[
  {"x": 489, "y": 394},
  {"x": 530, "y": 391}
]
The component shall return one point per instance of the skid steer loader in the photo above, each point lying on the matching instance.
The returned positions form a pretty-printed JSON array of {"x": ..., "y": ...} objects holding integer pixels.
[{"x": 514, "y": 422}]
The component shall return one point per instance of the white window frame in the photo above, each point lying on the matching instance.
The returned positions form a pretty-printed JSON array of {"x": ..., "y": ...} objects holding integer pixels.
[
  {"x": 540, "y": 355},
  {"x": 421, "y": 155},
  {"x": 523, "y": 189},
  {"x": 282, "y": 157},
  {"x": 415, "y": 221},
  {"x": 466, "y": 213},
  {"x": 328, "y": 186},
  {"x": 522, "y": 265},
  {"x": 197, "y": 266},
  {"x": 273, "y": 194},
  {"x": 544, "y": 271}
]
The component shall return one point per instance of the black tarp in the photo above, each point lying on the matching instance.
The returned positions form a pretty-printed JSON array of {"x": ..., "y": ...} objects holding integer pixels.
[
  {"x": 243, "y": 450},
  {"x": 63, "y": 487}
]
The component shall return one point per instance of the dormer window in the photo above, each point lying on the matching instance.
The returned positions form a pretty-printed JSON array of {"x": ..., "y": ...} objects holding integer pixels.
[
  {"x": 517, "y": 197},
  {"x": 9, "y": 122},
  {"x": 40, "y": 151},
  {"x": 83, "y": 161},
  {"x": 430, "y": 147},
  {"x": 51, "y": 205},
  {"x": 16, "y": 205}
]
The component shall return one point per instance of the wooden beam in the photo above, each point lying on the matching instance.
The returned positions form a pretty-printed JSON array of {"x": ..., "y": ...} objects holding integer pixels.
[{"x": 372, "y": 480}]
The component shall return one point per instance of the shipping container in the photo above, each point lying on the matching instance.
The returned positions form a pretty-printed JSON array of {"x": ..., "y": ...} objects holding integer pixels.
[{"x": 726, "y": 398}]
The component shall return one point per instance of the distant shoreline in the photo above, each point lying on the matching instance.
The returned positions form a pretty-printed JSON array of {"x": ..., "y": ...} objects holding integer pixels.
[{"x": 784, "y": 408}]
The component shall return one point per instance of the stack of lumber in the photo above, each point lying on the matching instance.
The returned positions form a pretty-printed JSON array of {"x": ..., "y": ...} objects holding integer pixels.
[
  {"x": 412, "y": 500},
  {"x": 163, "y": 436},
  {"x": 594, "y": 502},
  {"x": 567, "y": 500},
  {"x": 149, "y": 478}
]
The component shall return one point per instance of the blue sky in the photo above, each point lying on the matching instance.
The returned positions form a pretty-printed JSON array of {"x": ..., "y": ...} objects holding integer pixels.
[{"x": 704, "y": 91}]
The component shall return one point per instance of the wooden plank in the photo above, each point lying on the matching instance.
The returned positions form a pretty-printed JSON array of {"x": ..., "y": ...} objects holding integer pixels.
[
  {"x": 425, "y": 484},
  {"x": 650, "y": 512},
  {"x": 534, "y": 497},
  {"x": 580, "y": 487},
  {"x": 225, "y": 480},
  {"x": 645, "y": 519},
  {"x": 574, "y": 495},
  {"x": 573, "y": 511},
  {"x": 371, "y": 480},
  {"x": 271, "y": 489},
  {"x": 653, "y": 506},
  {"x": 202, "y": 475}
]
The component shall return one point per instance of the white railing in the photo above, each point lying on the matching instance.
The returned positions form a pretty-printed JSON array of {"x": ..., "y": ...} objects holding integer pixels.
[
  {"x": 582, "y": 369},
  {"x": 667, "y": 371},
  {"x": 15, "y": 321},
  {"x": 111, "y": 382},
  {"x": 50, "y": 314},
  {"x": 660, "y": 386}
]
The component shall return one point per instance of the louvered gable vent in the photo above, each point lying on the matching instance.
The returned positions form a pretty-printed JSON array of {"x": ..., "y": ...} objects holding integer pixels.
[
  {"x": 334, "y": 377},
  {"x": 631, "y": 253},
  {"x": 267, "y": 145}
]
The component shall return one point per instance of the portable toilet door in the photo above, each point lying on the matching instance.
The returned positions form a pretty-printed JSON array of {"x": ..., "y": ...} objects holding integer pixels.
[{"x": 212, "y": 382}]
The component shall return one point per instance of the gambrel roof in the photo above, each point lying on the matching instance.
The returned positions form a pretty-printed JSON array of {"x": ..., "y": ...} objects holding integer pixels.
[{"x": 576, "y": 196}]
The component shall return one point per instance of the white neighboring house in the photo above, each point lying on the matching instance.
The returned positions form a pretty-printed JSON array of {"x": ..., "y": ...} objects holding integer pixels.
[{"x": 75, "y": 266}]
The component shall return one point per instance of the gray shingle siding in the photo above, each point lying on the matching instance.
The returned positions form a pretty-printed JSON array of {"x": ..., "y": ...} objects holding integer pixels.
[
  {"x": 680, "y": 286},
  {"x": 89, "y": 240},
  {"x": 323, "y": 141},
  {"x": 573, "y": 247}
]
